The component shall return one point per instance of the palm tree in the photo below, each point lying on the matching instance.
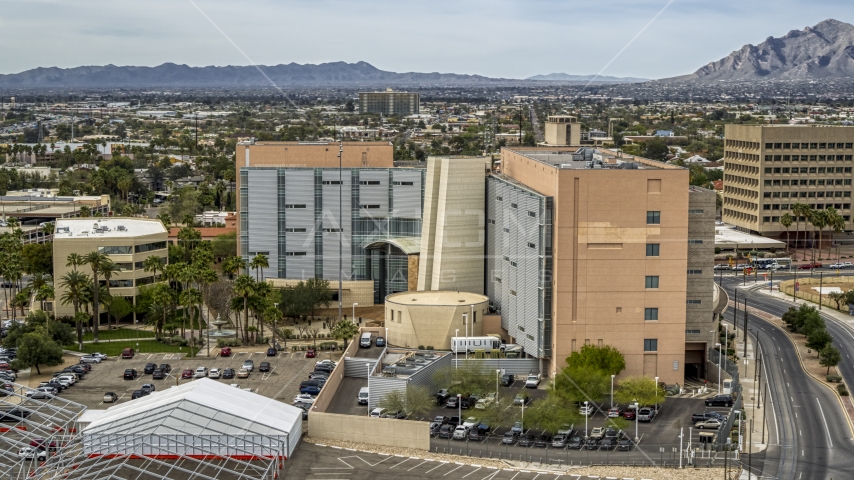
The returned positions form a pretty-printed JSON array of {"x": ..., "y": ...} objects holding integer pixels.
[
  {"x": 95, "y": 260},
  {"x": 85, "y": 211},
  {"x": 74, "y": 260},
  {"x": 44, "y": 293},
  {"x": 189, "y": 299},
  {"x": 162, "y": 297},
  {"x": 258, "y": 262},
  {"x": 818, "y": 220},
  {"x": 74, "y": 284},
  {"x": 47, "y": 228},
  {"x": 108, "y": 268},
  {"x": 836, "y": 224},
  {"x": 244, "y": 286},
  {"x": 165, "y": 219},
  {"x": 153, "y": 264},
  {"x": 802, "y": 212},
  {"x": 786, "y": 222},
  {"x": 233, "y": 266}
]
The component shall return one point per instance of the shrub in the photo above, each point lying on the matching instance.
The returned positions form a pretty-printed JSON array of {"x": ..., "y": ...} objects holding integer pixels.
[
  {"x": 842, "y": 390},
  {"x": 717, "y": 250},
  {"x": 228, "y": 342},
  {"x": 429, "y": 347},
  {"x": 420, "y": 347},
  {"x": 834, "y": 378}
]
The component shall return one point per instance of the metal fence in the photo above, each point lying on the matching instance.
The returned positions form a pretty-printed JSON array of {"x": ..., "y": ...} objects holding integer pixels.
[
  {"x": 664, "y": 455},
  {"x": 731, "y": 368},
  {"x": 511, "y": 366}
]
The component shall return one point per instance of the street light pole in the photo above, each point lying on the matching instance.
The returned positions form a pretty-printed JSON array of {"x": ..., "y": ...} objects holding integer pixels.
[
  {"x": 612, "y": 391},
  {"x": 586, "y": 415},
  {"x": 466, "y": 323},
  {"x": 459, "y": 409},
  {"x": 656, "y": 394},
  {"x": 637, "y": 407},
  {"x": 368, "y": 367},
  {"x": 275, "y": 325},
  {"x": 719, "y": 367},
  {"x": 456, "y": 353},
  {"x": 497, "y": 375}
]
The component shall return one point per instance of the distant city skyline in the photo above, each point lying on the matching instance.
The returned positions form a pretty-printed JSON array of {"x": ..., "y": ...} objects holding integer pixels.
[{"x": 501, "y": 38}]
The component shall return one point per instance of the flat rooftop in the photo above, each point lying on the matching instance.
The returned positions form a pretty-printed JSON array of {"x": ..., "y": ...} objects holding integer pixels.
[
  {"x": 728, "y": 238},
  {"x": 566, "y": 158},
  {"x": 436, "y": 297},
  {"x": 107, "y": 227},
  {"x": 404, "y": 363}
]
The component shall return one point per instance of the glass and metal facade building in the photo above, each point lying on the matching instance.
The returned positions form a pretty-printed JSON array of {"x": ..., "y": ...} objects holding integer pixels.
[
  {"x": 389, "y": 103},
  {"x": 519, "y": 261},
  {"x": 293, "y": 215}
]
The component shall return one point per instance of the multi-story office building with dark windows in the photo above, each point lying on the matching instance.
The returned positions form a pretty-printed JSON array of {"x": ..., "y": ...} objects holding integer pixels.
[
  {"x": 389, "y": 103},
  {"x": 769, "y": 168}
]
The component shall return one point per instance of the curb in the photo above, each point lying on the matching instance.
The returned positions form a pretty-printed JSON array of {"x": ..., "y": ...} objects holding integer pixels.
[{"x": 803, "y": 367}]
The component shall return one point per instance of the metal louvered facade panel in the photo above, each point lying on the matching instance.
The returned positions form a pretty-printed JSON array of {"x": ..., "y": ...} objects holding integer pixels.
[
  {"x": 355, "y": 366},
  {"x": 299, "y": 223},
  {"x": 373, "y": 193},
  {"x": 407, "y": 199},
  {"x": 332, "y": 220},
  {"x": 509, "y": 366},
  {"x": 517, "y": 282},
  {"x": 262, "y": 213},
  {"x": 379, "y": 387}
]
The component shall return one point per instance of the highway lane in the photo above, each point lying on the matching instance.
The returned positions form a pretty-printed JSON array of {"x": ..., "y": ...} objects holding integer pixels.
[{"x": 809, "y": 434}]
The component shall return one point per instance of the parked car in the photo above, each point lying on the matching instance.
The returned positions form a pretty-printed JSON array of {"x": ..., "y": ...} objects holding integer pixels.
[
  {"x": 378, "y": 412},
  {"x": 272, "y": 352},
  {"x": 165, "y": 367},
  {"x": 110, "y": 397},
  {"x": 560, "y": 441},
  {"x": 587, "y": 410},
  {"x": 90, "y": 359},
  {"x": 30, "y": 453},
  {"x": 712, "y": 423},
  {"x": 575, "y": 442},
  {"x": 264, "y": 367},
  {"x": 158, "y": 375},
  {"x": 615, "y": 412},
  {"x": 809, "y": 266},
  {"x": 527, "y": 440},
  {"x": 507, "y": 380},
  {"x": 434, "y": 428},
  {"x": 592, "y": 444},
  {"x": 702, "y": 417},
  {"x": 147, "y": 388},
  {"x": 128, "y": 353},
  {"x": 646, "y": 414},
  {"x": 249, "y": 365},
  {"x": 303, "y": 398},
  {"x": 544, "y": 440},
  {"x": 478, "y": 433},
  {"x": 215, "y": 373},
  {"x": 533, "y": 381},
  {"x": 102, "y": 356},
  {"x": 608, "y": 443},
  {"x": 719, "y": 401},
  {"x": 310, "y": 353},
  {"x": 399, "y": 414},
  {"x": 228, "y": 373},
  {"x": 201, "y": 372},
  {"x": 471, "y": 422},
  {"x": 149, "y": 368},
  {"x": 510, "y": 438},
  {"x": 14, "y": 415},
  {"x": 629, "y": 414},
  {"x": 625, "y": 444},
  {"x": 318, "y": 374},
  {"x": 597, "y": 432},
  {"x": 721, "y": 266},
  {"x": 838, "y": 265},
  {"x": 518, "y": 427},
  {"x": 455, "y": 420},
  {"x": 452, "y": 402},
  {"x": 446, "y": 431},
  {"x": 612, "y": 432},
  {"x": 42, "y": 393},
  {"x": 225, "y": 352},
  {"x": 441, "y": 419},
  {"x": 43, "y": 444},
  {"x": 326, "y": 363},
  {"x": 380, "y": 342},
  {"x": 521, "y": 399},
  {"x": 566, "y": 429},
  {"x": 130, "y": 374},
  {"x": 136, "y": 394},
  {"x": 848, "y": 264},
  {"x": 243, "y": 373},
  {"x": 187, "y": 373}
]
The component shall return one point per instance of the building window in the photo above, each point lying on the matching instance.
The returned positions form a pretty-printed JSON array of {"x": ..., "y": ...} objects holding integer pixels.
[
  {"x": 506, "y": 230},
  {"x": 514, "y": 205},
  {"x": 513, "y": 264},
  {"x": 652, "y": 249},
  {"x": 695, "y": 272},
  {"x": 532, "y": 214},
  {"x": 294, "y": 205},
  {"x": 369, "y": 182},
  {"x": 499, "y": 198},
  {"x": 653, "y": 218},
  {"x": 652, "y": 281},
  {"x": 332, "y": 230},
  {"x": 692, "y": 332},
  {"x": 497, "y": 279},
  {"x": 332, "y": 182},
  {"x": 695, "y": 242},
  {"x": 531, "y": 245},
  {"x": 695, "y": 212},
  {"x": 294, "y": 254},
  {"x": 513, "y": 292},
  {"x": 650, "y": 344},
  {"x": 650, "y": 314},
  {"x": 405, "y": 184},
  {"x": 149, "y": 247},
  {"x": 369, "y": 207},
  {"x": 117, "y": 250},
  {"x": 693, "y": 302}
]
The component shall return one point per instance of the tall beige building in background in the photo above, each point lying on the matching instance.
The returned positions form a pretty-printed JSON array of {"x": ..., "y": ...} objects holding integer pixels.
[
  {"x": 562, "y": 130},
  {"x": 768, "y": 168},
  {"x": 125, "y": 241}
]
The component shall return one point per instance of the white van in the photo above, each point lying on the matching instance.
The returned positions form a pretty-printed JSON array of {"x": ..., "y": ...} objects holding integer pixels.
[
  {"x": 366, "y": 340},
  {"x": 363, "y": 396},
  {"x": 377, "y": 412}
]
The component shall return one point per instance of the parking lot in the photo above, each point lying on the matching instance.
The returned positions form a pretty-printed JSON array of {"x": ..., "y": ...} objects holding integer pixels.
[{"x": 288, "y": 369}]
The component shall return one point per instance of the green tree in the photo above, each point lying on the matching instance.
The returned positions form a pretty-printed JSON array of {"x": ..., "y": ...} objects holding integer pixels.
[
  {"x": 818, "y": 219},
  {"x": 74, "y": 286},
  {"x": 38, "y": 258},
  {"x": 786, "y": 222},
  {"x": 837, "y": 297},
  {"x": 802, "y": 211},
  {"x": 224, "y": 245},
  {"x": 95, "y": 260},
  {"x": 36, "y": 348},
  {"x": 74, "y": 260},
  {"x": 551, "y": 413},
  {"x": 606, "y": 358},
  {"x": 582, "y": 383},
  {"x": 153, "y": 264},
  {"x": 655, "y": 149},
  {"x": 641, "y": 389},
  {"x": 419, "y": 401},
  {"x": 828, "y": 357},
  {"x": 319, "y": 295},
  {"x": 393, "y": 401},
  {"x": 818, "y": 339},
  {"x": 244, "y": 287},
  {"x": 258, "y": 262},
  {"x": 345, "y": 330},
  {"x": 233, "y": 266}
]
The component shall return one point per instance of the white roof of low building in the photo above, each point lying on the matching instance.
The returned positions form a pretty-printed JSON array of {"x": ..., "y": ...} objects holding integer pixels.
[
  {"x": 727, "y": 238},
  {"x": 107, "y": 227},
  {"x": 220, "y": 409}
]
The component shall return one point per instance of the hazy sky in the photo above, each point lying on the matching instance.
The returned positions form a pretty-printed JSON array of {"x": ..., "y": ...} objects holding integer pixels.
[{"x": 497, "y": 38}]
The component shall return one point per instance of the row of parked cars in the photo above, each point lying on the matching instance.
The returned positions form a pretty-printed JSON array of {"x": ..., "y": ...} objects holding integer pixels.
[
  {"x": 317, "y": 379},
  {"x": 63, "y": 379},
  {"x": 600, "y": 438}
]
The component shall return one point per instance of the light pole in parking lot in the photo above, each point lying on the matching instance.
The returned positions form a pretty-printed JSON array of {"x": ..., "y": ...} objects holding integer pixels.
[
  {"x": 586, "y": 414},
  {"x": 368, "y": 368},
  {"x": 275, "y": 322},
  {"x": 466, "y": 323},
  {"x": 497, "y": 375},
  {"x": 456, "y": 353},
  {"x": 656, "y": 394},
  {"x": 612, "y": 390},
  {"x": 719, "y": 367},
  {"x": 637, "y": 407},
  {"x": 459, "y": 408}
]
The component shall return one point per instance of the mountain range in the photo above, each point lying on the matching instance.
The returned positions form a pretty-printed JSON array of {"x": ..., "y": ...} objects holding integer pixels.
[{"x": 823, "y": 51}]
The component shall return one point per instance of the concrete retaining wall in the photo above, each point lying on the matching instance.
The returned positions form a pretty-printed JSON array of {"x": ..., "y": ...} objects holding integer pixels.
[{"x": 377, "y": 431}]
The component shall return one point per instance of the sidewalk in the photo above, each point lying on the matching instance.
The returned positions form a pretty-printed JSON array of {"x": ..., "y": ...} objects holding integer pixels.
[{"x": 752, "y": 398}]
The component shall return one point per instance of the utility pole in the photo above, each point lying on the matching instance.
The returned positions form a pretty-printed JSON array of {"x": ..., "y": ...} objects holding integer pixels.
[
  {"x": 341, "y": 230},
  {"x": 745, "y": 328}
]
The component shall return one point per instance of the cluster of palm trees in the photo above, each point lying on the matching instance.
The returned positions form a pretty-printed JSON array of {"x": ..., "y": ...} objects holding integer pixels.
[
  {"x": 12, "y": 268},
  {"x": 82, "y": 290},
  {"x": 819, "y": 219}
]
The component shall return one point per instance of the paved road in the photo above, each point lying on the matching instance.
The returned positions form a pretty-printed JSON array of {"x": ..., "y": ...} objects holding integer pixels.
[
  {"x": 535, "y": 125},
  {"x": 808, "y": 433}
]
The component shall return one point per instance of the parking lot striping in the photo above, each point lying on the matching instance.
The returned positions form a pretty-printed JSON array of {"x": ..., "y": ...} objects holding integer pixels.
[
  {"x": 401, "y": 463},
  {"x": 466, "y": 475},
  {"x": 437, "y": 466},
  {"x": 422, "y": 463},
  {"x": 514, "y": 476},
  {"x": 459, "y": 467}
]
